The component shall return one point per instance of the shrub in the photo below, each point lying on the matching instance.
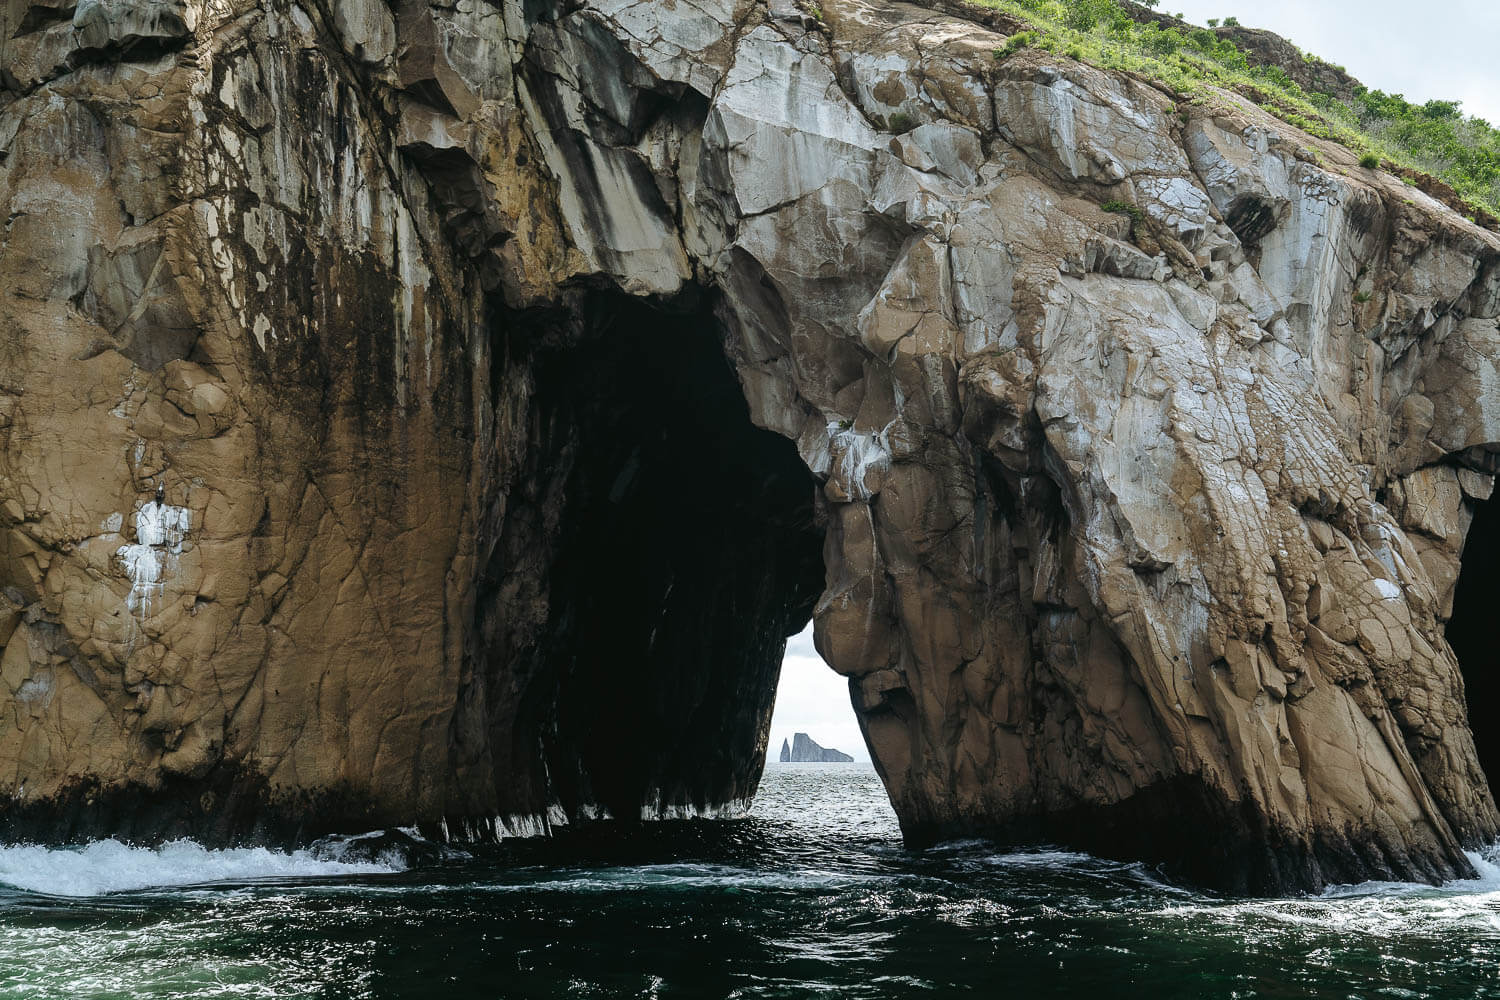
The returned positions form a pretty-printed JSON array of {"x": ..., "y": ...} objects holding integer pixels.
[
  {"x": 1121, "y": 26},
  {"x": 1276, "y": 75},
  {"x": 900, "y": 122},
  {"x": 1362, "y": 297},
  {"x": 1369, "y": 161},
  {"x": 1440, "y": 109},
  {"x": 1124, "y": 208},
  {"x": 1158, "y": 42},
  {"x": 1127, "y": 209},
  {"x": 1231, "y": 22},
  {"x": 1086, "y": 15},
  {"x": 1438, "y": 138},
  {"x": 1015, "y": 43}
]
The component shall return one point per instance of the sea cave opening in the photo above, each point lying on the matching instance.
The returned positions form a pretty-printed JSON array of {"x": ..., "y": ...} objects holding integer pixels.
[
  {"x": 1471, "y": 629},
  {"x": 688, "y": 548},
  {"x": 813, "y": 708}
]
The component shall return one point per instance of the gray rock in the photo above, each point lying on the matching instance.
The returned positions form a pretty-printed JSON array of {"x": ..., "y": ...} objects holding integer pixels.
[{"x": 804, "y": 751}]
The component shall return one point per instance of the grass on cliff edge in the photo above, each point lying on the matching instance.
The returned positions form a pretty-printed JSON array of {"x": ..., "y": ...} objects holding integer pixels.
[{"x": 1434, "y": 138}]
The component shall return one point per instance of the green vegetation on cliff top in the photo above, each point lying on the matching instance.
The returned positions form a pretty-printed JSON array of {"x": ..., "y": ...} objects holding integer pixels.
[{"x": 1434, "y": 138}]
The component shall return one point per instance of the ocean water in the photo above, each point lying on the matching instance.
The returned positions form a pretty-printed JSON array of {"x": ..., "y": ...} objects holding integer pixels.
[{"x": 811, "y": 896}]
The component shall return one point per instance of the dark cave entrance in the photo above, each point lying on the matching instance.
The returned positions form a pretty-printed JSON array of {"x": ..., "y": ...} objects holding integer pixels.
[
  {"x": 1472, "y": 629},
  {"x": 688, "y": 549}
]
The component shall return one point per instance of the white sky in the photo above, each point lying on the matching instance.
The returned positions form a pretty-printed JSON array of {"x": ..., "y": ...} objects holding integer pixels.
[
  {"x": 1438, "y": 49},
  {"x": 812, "y": 699}
]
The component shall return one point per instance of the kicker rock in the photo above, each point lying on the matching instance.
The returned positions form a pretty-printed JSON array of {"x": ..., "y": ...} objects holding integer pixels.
[
  {"x": 405, "y": 408},
  {"x": 803, "y": 750}
]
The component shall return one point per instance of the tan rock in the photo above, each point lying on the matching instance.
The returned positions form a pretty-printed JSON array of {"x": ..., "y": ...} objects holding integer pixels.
[{"x": 375, "y": 460}]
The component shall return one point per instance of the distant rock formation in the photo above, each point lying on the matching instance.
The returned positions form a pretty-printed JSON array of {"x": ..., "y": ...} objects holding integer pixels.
[{"x": 804, "y": 751}]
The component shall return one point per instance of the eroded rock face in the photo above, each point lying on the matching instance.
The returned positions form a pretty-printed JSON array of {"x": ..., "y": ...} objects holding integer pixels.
[{"x": 335, "y": 419}]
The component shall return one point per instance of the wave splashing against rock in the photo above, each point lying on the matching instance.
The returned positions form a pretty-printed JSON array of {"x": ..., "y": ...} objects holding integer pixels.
[{"x": 108, "y": 866}]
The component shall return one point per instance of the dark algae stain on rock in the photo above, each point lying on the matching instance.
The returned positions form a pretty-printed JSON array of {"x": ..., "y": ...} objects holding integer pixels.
[{"x": 437, "y": 417}]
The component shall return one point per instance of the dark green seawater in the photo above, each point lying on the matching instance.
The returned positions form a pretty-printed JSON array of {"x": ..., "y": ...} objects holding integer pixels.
[{"x": 811, "y": 896}]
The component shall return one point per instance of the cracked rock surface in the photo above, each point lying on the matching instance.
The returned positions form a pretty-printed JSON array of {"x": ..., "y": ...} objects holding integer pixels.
[{"x": 396, "y": 397}]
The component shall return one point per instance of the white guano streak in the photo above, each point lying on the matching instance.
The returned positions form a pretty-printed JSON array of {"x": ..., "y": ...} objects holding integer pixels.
[
  {"x": 859, "y": 453},
  {"x": 160, "y": 530}
]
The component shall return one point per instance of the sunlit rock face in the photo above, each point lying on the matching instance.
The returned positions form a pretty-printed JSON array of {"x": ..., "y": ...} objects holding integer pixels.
[{"x": 406, "y": 407}]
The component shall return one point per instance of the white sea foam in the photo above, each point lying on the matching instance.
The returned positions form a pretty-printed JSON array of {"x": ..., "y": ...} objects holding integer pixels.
[
  {"x": 1378, "y": 909},
  {"x": 109, "y": 866},
  {"x": 1488, "y": 882},
  {"x": 659, "y": 809}
]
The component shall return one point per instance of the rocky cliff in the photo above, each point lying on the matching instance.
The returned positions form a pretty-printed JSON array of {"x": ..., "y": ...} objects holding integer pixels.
[
  {"x": 1263, "y": 48},
  {"x": 402, "y": 405},
  {"x": 802, "y": 750}
]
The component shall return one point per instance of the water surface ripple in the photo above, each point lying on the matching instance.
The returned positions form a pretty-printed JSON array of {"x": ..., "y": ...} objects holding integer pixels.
[{"x": 811, "y": 896}]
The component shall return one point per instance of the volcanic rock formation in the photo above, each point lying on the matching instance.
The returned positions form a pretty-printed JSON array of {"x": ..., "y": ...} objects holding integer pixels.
[
  {"x": 1264, "y": 48},
  {"x": 803, "y": 750},
  {"x": 403, "y": 406}
]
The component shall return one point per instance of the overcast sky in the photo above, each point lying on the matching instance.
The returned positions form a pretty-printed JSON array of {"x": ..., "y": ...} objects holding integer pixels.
[
  {"x": 812, "y": 699},
  {"x": 1438, "y": 49}
]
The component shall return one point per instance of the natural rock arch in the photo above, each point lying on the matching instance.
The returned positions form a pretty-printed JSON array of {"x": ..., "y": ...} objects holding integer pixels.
[
  {"x": 1472, "y": 628},
  {"x": 1131, "y": 531},
  {"x": 687, "y": 546}
]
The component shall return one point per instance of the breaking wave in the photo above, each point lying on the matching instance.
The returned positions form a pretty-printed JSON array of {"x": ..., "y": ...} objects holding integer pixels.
[{"x": 107, "y": 866}]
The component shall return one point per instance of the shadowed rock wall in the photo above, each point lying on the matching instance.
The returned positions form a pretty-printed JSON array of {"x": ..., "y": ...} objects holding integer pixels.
[
  {"x": 685, "y": 548},
  {"x": 1471, "y": 630},
  {"x": 329, "y": 333}
]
